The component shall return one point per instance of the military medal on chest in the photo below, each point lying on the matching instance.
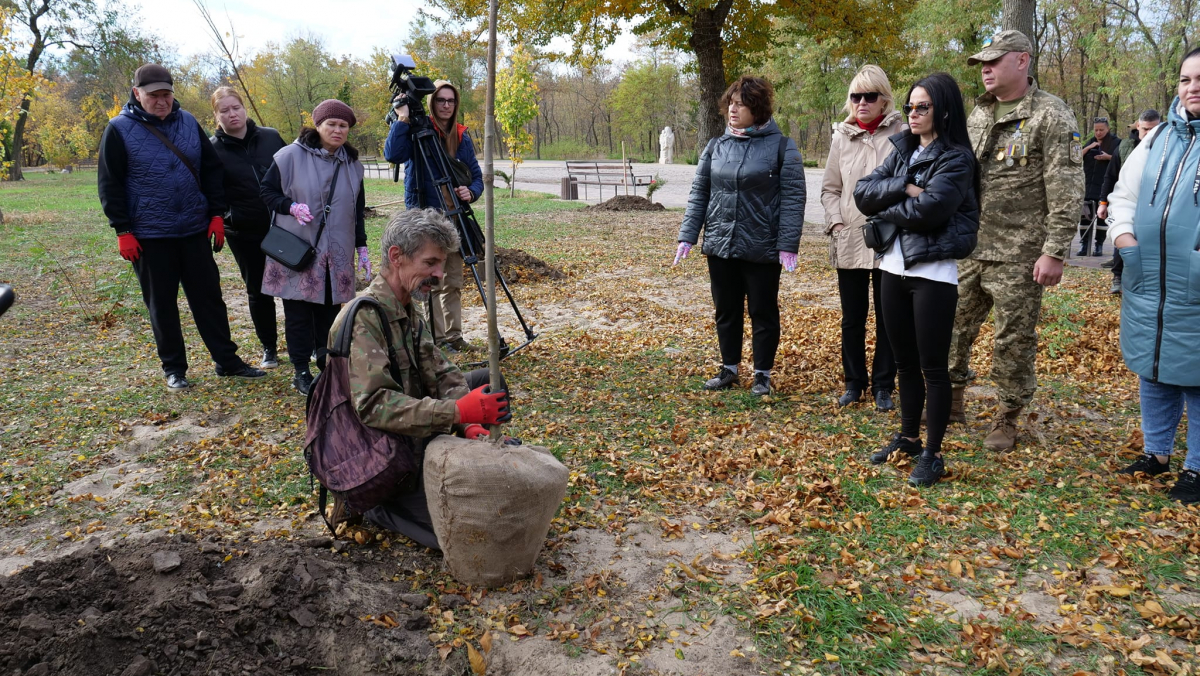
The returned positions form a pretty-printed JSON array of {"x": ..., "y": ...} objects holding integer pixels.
[{"x": 1020, "y": 126}]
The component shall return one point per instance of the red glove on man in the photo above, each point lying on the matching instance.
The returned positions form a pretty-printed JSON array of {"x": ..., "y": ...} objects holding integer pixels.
[
  {"x": 475, "y": 432},
  {"x": 216, "y": 232},
  {"x": 128, "y": 245},
  {"x": 483, "y": 407}
]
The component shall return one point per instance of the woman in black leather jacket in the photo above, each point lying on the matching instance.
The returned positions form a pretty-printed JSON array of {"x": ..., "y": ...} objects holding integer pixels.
[{"x": 926, "y": 193}]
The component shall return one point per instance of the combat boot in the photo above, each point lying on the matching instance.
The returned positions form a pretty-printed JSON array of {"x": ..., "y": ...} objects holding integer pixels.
[
  {"x": 1004, "y": 430},
  {"x": 958, "y": 410}
]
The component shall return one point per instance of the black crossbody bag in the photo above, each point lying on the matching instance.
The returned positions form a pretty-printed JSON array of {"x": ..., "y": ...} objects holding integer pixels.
[{"x": 292, "y": 251}]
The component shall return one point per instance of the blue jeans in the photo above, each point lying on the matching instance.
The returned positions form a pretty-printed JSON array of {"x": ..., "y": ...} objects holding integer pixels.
[{"x": 1162, "y": 409}]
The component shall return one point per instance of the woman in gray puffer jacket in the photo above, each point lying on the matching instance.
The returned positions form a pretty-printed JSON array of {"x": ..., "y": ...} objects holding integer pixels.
[{"x": 748, "y": 198}]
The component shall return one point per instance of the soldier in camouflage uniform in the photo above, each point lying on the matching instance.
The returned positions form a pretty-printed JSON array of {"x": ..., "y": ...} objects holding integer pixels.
[
  {"x": 1028, "y": 147},
  {"x": 433, "y": 397}
]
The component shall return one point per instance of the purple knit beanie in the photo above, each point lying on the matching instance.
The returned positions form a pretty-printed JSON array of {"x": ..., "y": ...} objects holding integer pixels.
[{"x": 332, "y": 108}]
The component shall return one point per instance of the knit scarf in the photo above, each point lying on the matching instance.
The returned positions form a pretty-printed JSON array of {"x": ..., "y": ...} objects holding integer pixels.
[
  {"x": 741, "y": 132},
  {"x": 871, "y": 126}
]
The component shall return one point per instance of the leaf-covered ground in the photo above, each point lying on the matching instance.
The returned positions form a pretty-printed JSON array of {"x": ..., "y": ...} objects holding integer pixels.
[{"x": 703, "y": 532}]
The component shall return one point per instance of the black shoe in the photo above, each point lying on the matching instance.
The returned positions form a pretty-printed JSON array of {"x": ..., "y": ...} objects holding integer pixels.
[
  {"x": 722, "y": 381},
  {"x": 849, "y": 397},
  {"x": 898, "y": 444},
  {"x": 270, "y": 359},
  {"x": 447, "y": 348},
  {"x": 243, "y": 370},
  {"x": 1187, "y": 488},
  {"x": 1083, "y": 251},
  {"x": 1098, "y": 251},
  {"x": 1148, "y": 464},
  {"x": 176, "y": 382},
  {"x": 762, "y": 385},
  {"x": 884, "y": 402},
  {"x": 302, "y": 381},
  {"x": 929, "y": 470},
  {"x": 1108, "y": 264},
  {"x": 1116, "y": 286}
]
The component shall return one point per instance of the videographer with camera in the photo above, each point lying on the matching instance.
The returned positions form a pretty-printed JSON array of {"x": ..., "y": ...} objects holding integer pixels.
[{"x": 419, "y": 177}]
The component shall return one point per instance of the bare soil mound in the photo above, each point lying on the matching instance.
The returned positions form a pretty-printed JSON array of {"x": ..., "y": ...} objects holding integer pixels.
[
  {"x": 519, "y": 266},
  {"x": 179, "y": 606},
  {"x": 627, "y": 203}
]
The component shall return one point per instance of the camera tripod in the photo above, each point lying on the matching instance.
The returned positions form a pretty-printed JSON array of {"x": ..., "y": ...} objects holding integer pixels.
[{"x": 428, "y": 153}]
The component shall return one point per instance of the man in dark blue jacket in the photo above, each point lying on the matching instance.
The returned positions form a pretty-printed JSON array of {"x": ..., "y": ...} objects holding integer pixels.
[{"x": 160, "y": 184}]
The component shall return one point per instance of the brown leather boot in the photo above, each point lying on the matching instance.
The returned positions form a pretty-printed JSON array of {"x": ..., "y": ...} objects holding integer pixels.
[
  {"x": 1004, "y": 430},
  {"x": 958, "y": 411}
]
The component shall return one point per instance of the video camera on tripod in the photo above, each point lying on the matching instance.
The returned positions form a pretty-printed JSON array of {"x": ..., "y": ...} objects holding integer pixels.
[{"x": 430, "y": 162}]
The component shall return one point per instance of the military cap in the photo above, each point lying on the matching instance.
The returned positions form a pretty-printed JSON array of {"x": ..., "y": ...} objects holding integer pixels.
[{"x": 1000, "y": 44}]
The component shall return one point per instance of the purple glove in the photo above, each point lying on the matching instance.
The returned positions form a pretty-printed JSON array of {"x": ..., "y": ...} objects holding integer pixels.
[
  {"x": 788, "y": 260},
  {"x": 364, "y": 261},
  {"x": 301, "y": 213},
  {"x": 682, "y": 252}
]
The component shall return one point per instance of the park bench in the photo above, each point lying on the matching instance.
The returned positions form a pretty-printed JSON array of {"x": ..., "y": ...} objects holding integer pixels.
[{"x": 613, "y": 173}]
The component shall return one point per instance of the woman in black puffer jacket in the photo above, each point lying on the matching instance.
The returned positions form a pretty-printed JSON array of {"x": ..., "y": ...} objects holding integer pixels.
[
  {"x": 748, "y": 198},
  {"x": 246, "y": 150},
  {"x": 927, "y": 192}
]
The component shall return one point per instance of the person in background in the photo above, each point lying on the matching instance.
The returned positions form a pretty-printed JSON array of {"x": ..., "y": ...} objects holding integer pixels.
[
  {"x": 445, "y": 305},
  {"x": 246, "y": 151},
  {"x": 927, "y": 189},
  {"x": 297, "y": 188},
  {"x": 1147, "y": 121},
  {"x": 1097, "y": 154},
  {"x": 160, "y": 186},
  {"x": 1155, "y": 208},
  {"x": 1027, "y": 144},
  {"x": 860, "y": 144},
  {"x": 748, "y": 198}
]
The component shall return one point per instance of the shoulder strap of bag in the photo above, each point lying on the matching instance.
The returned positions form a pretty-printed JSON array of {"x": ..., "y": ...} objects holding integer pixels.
[
  {"x": 783, "y": 141},
  {"x": 325, "y": 212},
  {"x": 345, "y": 334},
  {"x": 173, "y": 148}
]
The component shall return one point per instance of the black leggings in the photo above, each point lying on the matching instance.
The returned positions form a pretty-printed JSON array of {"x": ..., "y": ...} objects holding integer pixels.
[
  {"x": 920, "y": 321},
  {"x": 739, "y": 287}
]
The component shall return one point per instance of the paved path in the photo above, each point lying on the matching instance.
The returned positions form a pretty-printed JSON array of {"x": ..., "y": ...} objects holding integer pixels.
[{"x": 546, "y": 176}]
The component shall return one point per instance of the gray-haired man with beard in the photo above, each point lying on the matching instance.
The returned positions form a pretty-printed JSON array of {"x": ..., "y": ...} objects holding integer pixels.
[{"x": 433, "y": 397}]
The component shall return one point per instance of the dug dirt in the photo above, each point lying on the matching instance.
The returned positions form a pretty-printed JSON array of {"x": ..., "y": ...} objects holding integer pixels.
[
  {"x": 518, "y": 266},
  {"x": 175, "y": 605},
  {"x": 627, "y": 203}
]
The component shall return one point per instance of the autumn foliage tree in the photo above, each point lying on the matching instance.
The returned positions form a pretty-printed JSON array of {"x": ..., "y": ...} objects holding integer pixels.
[
  {"x": 15, "y": 80},
  {"x": 516, "y": 106}
]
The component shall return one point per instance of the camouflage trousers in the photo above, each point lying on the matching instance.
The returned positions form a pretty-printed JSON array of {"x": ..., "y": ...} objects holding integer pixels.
[{"x": 1017, "y": 299}]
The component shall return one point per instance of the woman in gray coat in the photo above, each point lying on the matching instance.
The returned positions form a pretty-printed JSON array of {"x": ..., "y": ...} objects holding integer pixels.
[
  {"x": 748, "y": 198},
  {"x": 296, "y": 189}
]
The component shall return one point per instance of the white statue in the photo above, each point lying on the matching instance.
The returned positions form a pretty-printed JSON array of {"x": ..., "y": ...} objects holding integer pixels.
[{"x": 666, "y": 145}]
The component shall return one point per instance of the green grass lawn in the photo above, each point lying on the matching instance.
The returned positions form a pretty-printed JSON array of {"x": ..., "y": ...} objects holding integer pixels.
[{"x": 1053, "y": 564}]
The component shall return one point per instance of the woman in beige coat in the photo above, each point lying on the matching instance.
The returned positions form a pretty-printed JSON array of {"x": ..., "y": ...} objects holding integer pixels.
[{"x": 859, "y": 145}]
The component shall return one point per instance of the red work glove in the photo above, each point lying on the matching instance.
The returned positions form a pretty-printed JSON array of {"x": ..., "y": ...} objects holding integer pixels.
[
  {"x": 216, "y": 232},
  {"x": 483, "y": 407},
  {"x": 475, "y": 432},
  {"x": 128, "y": 245}
]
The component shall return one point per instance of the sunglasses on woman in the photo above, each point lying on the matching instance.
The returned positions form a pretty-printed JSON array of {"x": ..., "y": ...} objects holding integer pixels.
[
  {"x": 921, "y": 109},
  {"x": 869, "y": 97}
]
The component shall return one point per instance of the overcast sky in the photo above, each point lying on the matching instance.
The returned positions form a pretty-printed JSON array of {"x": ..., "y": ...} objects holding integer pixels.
[{"x": 353, "y": 27}]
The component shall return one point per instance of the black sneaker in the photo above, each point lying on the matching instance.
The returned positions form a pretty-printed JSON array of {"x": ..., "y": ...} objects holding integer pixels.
[
  {"x": 270, "y": 359},
  {"x": 884, "y": 401},
  {"x": 1148, "y": 464},
  {"x": 1187, "y": 488},
  {"x": 1108, "y": 264},
  {"x": 243, "y": 370},
  {"x": 722, "y": 381},
  {"x": 176, "y": 382},
  {"x": 898, "y": 443},
  {"x": 762, "y": 385},
  {"x": 302, "y": 381},
  {"x": 849, "y": 397},
  {"x": 929, "y": 470}
]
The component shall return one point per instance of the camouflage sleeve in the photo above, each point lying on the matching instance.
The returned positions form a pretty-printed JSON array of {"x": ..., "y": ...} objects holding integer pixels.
[
  {"x": 379, "y": 400},
  {"x": 451, "y": 384},
  {"x": 1063, "y": 177}
]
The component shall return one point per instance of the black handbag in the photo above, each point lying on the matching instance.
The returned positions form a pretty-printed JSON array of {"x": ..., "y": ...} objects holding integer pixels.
[
  {"x": 879, "y": 233},
  {"x": 292, "y": 251}
]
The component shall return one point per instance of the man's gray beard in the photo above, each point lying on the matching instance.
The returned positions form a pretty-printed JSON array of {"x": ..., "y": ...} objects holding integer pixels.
[{"x": 420, "y": 296}]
